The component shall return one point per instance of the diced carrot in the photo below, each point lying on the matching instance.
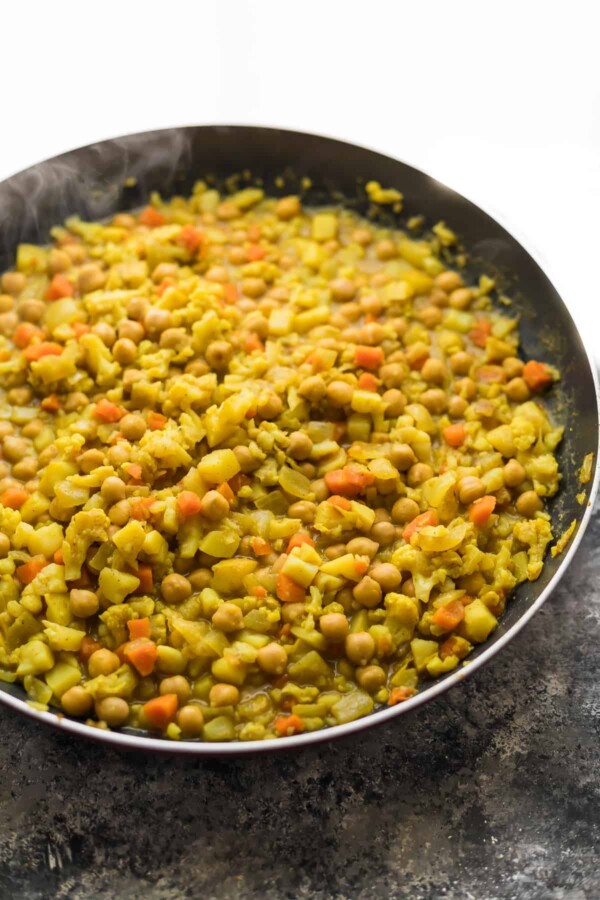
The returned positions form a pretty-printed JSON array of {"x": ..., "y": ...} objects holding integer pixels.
[
  {"x": 33, "y": 352},
  {"x": 225, "y": 490},
  {"x": 490, "y": 374},
  {"x": 349, "y": 481},
  {"x": 190, "y": 238},
  {"x": 134, "y": 470},
  {"x": 231, "y": 293},
  {"x": 161, "y": 711},
  {"x": 24, "y": 334},
  {"x": 288, "y": 590},
  {"x": 139, "y": 508},
  {"x": 156, "y": 421},
  {"x": 340, "y": 502},
  {"x": 80, "y": 328},
  {"x": 107, "y": 411},
  {"x": 142, "y": 654},
  {"x": 255, "y": 252},
  {"x": 252, "y": 342},
  {"x": 288, "y": 725},
  {"x": 254, "y": 232},
  {"x": 58, "y": 557},
  {"x": 258, "y": 591},
  {"x": 371, "y": 317},
  {"x": 28, "y": 571},
  {"x": 361, "y": 566},
  {"x": 188, "y": 504},
  {"x": 138, "y": 628},
  {"x": 151, "y": 217},
  {"x": 421, "y": 521},
  {"x": 14, "y": 497},
  {"x": 51, "y": 403},
  {"x": 164, "y": 284},
  {"x": 368, "y": 357},
  {"x": 146, "y": 585},
  {"x": 59, "y": 287},
  {"x": 260, "y": 546},
  {"x": 481, "y": 510},
  {"x": 284, "y": 631},
  {"x": 481, "y": 332},
  {"x": 368, "y": 382},
  {"x": 297, "y": 540},
  {"x": 537, "y": 375},
  {"x": 398, "y": 694},
  {"x": 448, "y": 617},
  {"x": 455, "y": 435},
  {"x": 88, "y": 646}
]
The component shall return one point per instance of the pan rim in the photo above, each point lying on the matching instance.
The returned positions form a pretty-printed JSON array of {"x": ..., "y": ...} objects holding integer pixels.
[{"x": 335, "y": 732}]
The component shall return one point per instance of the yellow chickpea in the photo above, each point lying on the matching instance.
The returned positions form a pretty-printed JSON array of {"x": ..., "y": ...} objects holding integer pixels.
[
  {"x": 300, "y": 446},
  {"x": 214, "y": 506},
  {"x": 223, "y": 695},
  {"x": 83, "y": 603},
  {"x": 359, "y": 647},
  {"x": 386, "y": 575},
  {"x": 176, "y": 684},
  {"x": 103, "y": 662},
  {"x": 191, "y": 720},
  {"x": 470, "y": 489},
  {"x": 514, "y": 473},
  {"x": 339, "y": 393},
  {"x": 175, "y": 588},
  {"x": 76, "y": 701},
  {"x": 418, "y": 474},
  {"x": 287, "y": 208},
  {"x": 228, "y": 617},
  {"x": 272, "y": 659},
  {"x": 528, "y": 503},
  {"x": 371, "y": 678},
  {"x": 113, "y": 710}
]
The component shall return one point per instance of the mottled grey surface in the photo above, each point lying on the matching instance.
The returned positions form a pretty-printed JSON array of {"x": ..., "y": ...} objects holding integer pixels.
[{"x": 492, "y": 791}]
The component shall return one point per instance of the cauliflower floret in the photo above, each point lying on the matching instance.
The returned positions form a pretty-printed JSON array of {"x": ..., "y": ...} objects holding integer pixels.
[
  {"x": 536, "y": 534},
  {"x": 85, "y": 528}
]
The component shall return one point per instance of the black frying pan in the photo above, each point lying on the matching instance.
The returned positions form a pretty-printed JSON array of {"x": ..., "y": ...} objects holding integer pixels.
[{"x": 97, "y": 181}]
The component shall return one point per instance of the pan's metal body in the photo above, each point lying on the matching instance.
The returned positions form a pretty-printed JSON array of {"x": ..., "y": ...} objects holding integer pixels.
[{"x": 98, "y": 180}]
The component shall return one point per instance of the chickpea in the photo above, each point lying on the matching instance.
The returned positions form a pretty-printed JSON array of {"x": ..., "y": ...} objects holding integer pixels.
[
  {"x": 136, "y": 307},
  {"x": 404, "y": 510},
  {"x": 228, "y": 617},
  {"x": 457, "y": 406},
  {"x": 272, "y": 659},
  {"x": 174, "y": 339},
  {"x": 90, "y": 460},
  {"x": 312, "y": 388},
  {"x": 223, "y": 695},
  {"x": 514, "y": 473},
  {"x": 83, "y": 603},
  {"x": 470, "y": 489},
  {"x": 214, "y": 506},
  {"x": 367, "y": 592},
  {"x": 435, "y": 400},
  {"x": 466, "y": 388},
  {"x": 256, "y": 323},
  {"x": 371, "y": 305},
  {"x": 383, "y": 532},
  {"x": 237, "y": 256},
  {"x": 105, "y": 332},
  {"x": 7, "y": 304},
  {"x": 253, "y": 287},
  {"x": 393, "y": 374},
  {"x": 156, "y": 321},
  {"x": 362, "y": 236},
  {"x": 461, "y": 298},
  {"x": 26, "y": 468},
  {"x": 90, "y": 278},
  {"x": 342, "y": 289},
  {"x": 217, "y": 274},
  {"x": 402, "y": 456},
  {"x": 131, "y": 330},
  {"x": 218, "y": 354},
  {"x": 132, "y": 427},
  {"x": 339, "y": 393},
  {"x": 360, "y": 647},
  {"x": 245, "y": 458},
  {"x": 269, "y": 406},
  {"x": 287, "y": 208},
  {"x": 517, "y": 391},
  {"x": 164, "y": 270},
  {"x": 528, "y": 503},
  {"x": 13, "y": 282},
  {"x": 199, "y": 579},
  {"x": 120, "y": 513},
  {"x": 434, "y": 371},
  {"x": 513, "y": 366},
  {"x": 335, "y": 551},
  {"x": 4, "y": 545},
  {"x": 300, "y": 446},
  {"x": 408, "y": 587},
  {"x": 124, "y": 351},
  {"x": 175, "y": 588},
  {"x": 362, "y": 546},
  {"x": 334, "y": 626},
  {"x": 178, "y": 685},
  {"x": 395, "y": 401},
  {"x": 371, "y": 678},
  {"x": 418, "y": 474},
  {"x": 191, "y": 720},
  {"x": 14, "y": 448},
  {"x": 76, "y": 253},
  {"x": 113, "y": 489},
  {"x": 292, "y": 612},
  {"x": 385, "y": 249},
  {"x": 448, "y": 281},
  {"x": 32, "y": 310},
  {"x": 320, "y": 490},
  {"x": 103, "y": 662},
  {"x": 113, "y": 710},
  {"x": 305, "y": 510},
  {"x": 386, "y": 575},
  {"x": 118, "y": 454},
  {"x": 431, "y": 316},
  {"x": 76, "y": 701}
]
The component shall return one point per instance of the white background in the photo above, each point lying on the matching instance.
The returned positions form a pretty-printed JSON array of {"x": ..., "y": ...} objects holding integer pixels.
[{"x": 501, "y": 100}]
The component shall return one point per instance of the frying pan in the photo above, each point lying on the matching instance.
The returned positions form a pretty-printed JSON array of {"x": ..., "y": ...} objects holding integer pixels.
[{"x": 98, "y": 180}]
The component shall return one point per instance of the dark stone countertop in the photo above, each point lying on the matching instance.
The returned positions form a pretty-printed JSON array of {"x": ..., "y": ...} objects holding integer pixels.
[{"x": 491, "y": 791}]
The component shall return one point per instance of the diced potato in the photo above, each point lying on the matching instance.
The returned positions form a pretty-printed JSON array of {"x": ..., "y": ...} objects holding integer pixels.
[
  {"x": 478, "y": 622},
  {"x": 218, "y": 466},
  {"x": 324, "y": 226},
  {"x": 61, "y": 637},
  {"x": 62, "y": 677},
  {"x": 222, "y": 544},
  {"x": 115, "y": 585},
  {"x": 35, "y": 657},
  {"x": 351, "y": 706},
  {"x": 423, "y": 652}
]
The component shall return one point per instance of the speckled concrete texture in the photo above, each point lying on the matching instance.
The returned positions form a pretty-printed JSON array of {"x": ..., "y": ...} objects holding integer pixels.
[{"x": 492, "y": 792}]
